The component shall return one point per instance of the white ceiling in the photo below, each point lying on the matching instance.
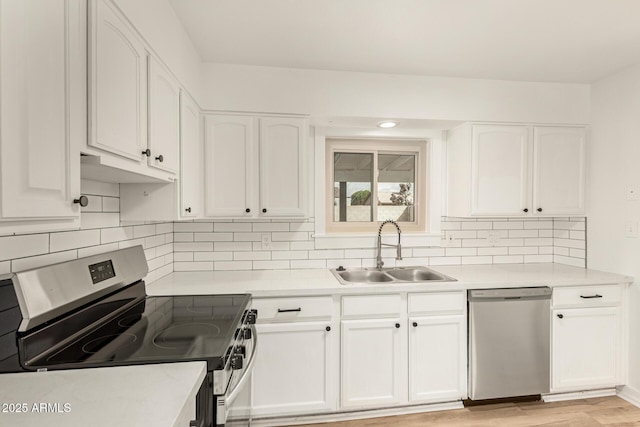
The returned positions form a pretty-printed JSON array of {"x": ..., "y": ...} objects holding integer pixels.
[{"x": 527, "y": 40}]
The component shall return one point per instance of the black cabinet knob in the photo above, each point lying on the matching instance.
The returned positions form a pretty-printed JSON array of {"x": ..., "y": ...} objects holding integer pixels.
[
  {"x": 328, "y": 328},
  {"x": 188, "y": 209},
  {"x": 415, "y": 324},
  {"x": 539, "y": 209},
  {"x": 397, "y": 325},
  {"x": 147, "y": 152},
  {"x": 82, "y": 201},
  {"x": 264, "y": 211},
  {"x": 160, "y": 158},
  {"x": 247, "y": 210},
  {"x": 525, "y": 210},
  {"x": 560, "y": 316}
]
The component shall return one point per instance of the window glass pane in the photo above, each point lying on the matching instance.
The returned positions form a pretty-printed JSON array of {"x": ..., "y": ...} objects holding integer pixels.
[
  {"x": 352, "y": 185},
  {"x": 396, "y": 187}
]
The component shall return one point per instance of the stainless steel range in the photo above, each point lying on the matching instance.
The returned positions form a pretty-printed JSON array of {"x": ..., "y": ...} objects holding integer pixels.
[{"x": 94, "y": 312}]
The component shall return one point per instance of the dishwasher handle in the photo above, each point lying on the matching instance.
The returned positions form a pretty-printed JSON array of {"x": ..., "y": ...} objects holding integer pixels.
[{"x": 509, "y": 294}]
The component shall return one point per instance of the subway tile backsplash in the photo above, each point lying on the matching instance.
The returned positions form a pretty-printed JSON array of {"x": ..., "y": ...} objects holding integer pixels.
[
  {"x": 205, "y": 245},
  {"x": 100, "y": 232},
  {"x": 238, "y": 245}
]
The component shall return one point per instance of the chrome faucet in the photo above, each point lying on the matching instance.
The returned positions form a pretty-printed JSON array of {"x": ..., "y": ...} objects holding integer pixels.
[{"x": 379, "y": 262}]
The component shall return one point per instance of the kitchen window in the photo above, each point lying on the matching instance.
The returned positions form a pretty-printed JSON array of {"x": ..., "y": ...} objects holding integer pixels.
[{"x": 373, "y": 180}]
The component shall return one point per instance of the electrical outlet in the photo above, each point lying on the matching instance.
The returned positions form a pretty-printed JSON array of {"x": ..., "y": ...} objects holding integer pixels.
[
  {"x": 266, "y": 241},
  {"x": 631, "y": 230},
  {"x": 632, "y": 194},
  {"x": 493, "y": 237},
  {"x": 448, "y": 239}
]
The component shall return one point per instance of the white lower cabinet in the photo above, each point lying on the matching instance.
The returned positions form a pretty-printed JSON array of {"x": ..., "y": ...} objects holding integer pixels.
[
  {"x": 388, "y": 361},
  {"x": 586, "y": 348},
  {"x": 437, "y": 358},
  {"x": 373, "y": 362},
  {"x": 295, "y": 367},
  {"x": 588, "y": 343}
]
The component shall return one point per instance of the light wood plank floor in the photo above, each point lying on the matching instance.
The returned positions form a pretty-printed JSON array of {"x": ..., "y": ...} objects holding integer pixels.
[{"x": 602, "y": 411}]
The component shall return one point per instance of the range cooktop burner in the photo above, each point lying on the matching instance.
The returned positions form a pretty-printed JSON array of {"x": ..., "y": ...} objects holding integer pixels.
[
  {"x": 183, "y": 336},
  {"x": 97, "y": 344}
]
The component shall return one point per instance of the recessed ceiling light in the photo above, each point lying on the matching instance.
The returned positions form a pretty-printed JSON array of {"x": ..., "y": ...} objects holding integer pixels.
[{"x": 387, "y": 124}]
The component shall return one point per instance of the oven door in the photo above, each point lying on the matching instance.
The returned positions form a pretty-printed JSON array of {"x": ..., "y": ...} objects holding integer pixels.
[{"x": 234, "y": 407}]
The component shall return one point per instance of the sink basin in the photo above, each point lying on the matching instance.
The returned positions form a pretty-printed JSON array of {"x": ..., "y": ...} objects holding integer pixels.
[
  {"x": 390, "y": 275},
  {"x": 416, "y": 275},
  {"x": 364, "y": 276}
]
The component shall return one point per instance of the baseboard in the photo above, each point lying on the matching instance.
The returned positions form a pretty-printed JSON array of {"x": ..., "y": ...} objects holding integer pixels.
[
  {"x": 630, "y": 394},
  {"x": 354, "y": 415},
  {"x": 559, "y": 397}
]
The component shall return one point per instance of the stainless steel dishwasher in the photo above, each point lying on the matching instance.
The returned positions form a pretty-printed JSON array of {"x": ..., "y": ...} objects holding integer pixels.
[{"x": 509, "y": 332}]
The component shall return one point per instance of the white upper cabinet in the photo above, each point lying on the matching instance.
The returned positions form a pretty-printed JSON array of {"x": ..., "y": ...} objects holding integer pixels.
[
  {"x": 254, "y": 166},
  {"x": 516, "y": 170},
  {"x": 282, "y": 160},
  {"x": 41, "y": 110},
  {"x": 559, "y": 159},
  {"x": 499, "y": 170},
  {"x": 191, "y": 158},
  {"x": 230, "y": 166},
  {"x": 164, "y": 118},
  {"x": 118, "y": 84}
]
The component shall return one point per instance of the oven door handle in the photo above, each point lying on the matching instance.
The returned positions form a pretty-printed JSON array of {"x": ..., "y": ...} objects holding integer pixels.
[{"x": 247, "y": 371}]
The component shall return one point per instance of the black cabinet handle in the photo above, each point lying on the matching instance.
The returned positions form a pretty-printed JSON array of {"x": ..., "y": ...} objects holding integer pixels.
[
  {"x": 188, "y": 209},
  {"x": 539, "y": 209},
  {"x": 264, "y": 210},
  {"x": 147, "y": 152},
  {"x": 82, "y": 201},
  {"x": 328, "y": 328},
  {"x": 415, "y": 324},
  {"x": 525, "y": 210},
  {"x": 397, "y": 325},
  {"x": 288, "y": 310},
  {"x": 196, "y": 423},
  {"x": 247, "y": 210},
  {"x": 160, "y": 158},
  {"x": 560, "y": 316},
  {"x": 590, "y": 296}
]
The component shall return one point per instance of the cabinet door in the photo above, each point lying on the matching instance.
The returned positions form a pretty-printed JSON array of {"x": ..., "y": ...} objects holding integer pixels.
[
  {"x": 373, "y": 362},
  {"x": 586, "y": 348},
  {"x": 292, "y": 370},
  {"x": 282, "y": 167},
  {"x": 190, "y": 158},
  {"x": 39, "y": 157},
  {"x": 559, "y": 170},
  {"x": 499, "y": 170},
  {"x": 118, "y": 84},
  {"x": 229, "y": 166},
  {"x": 164, "y": 118},
  {"x": 437, "y": 358}
]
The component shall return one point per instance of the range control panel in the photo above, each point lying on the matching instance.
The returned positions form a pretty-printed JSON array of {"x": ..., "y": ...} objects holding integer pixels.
[{"x": 101, "y": 271}]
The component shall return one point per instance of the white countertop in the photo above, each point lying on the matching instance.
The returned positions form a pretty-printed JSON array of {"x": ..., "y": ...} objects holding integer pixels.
[
  {"x": 270, "y": 283},
  {"x": 142, "y": 395}
]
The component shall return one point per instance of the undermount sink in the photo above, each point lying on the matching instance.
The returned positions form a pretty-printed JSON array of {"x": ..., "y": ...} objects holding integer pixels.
[
  {"x": 364, "y": 276},
  {"x": 390, "y": 275}
]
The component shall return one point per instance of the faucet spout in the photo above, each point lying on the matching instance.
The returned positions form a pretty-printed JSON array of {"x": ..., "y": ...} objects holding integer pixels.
[{"x": 379, "y": 262}]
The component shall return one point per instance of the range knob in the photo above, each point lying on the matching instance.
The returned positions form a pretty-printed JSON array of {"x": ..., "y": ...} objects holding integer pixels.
[
  {"x": 246, "y": 334},
  {"x": 240, "y": 350},
  {"x": 236, "y": 361},
  {"x": 252, "y": 315}
]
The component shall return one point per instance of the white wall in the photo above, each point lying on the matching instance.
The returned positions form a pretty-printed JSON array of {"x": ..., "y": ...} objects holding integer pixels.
[
  {"x": 615, "y": 165},
  {"x": 157, "y": 22},
  {"x": 337, "y": 93}
]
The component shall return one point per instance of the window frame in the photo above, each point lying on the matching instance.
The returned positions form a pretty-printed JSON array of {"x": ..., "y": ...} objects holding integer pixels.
[{"x": 417, "y": 147}]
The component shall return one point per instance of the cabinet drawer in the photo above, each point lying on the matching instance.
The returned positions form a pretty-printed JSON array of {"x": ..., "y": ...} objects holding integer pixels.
[
  {"x": 376, "y": 305},
  {"x": 587, "y": 296},
  {"x": 289, "y": 309},
  {"x": 437, "y": 303}
]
